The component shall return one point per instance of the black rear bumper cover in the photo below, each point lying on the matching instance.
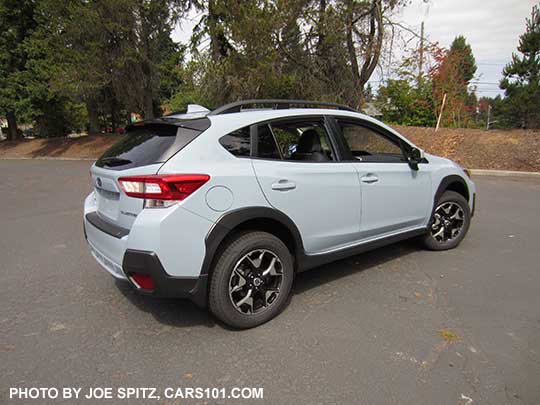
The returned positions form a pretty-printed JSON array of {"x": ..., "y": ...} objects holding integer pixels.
[{"x": 166, "y": 286}]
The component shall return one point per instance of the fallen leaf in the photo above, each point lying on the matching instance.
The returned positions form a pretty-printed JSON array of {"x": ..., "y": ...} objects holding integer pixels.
[{"x": 448, "y": 335}]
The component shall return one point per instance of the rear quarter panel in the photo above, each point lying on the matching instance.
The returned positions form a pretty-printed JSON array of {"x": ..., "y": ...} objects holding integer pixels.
[{"x": 232, "y": 183}]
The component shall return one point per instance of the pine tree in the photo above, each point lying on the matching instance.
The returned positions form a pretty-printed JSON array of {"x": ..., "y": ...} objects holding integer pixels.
[
  {"x": 521, "y": 80},
  {"x": 452, "y": 76},
  {"x": 461, "y": 52},
  {"x": 17, "y": 23}
]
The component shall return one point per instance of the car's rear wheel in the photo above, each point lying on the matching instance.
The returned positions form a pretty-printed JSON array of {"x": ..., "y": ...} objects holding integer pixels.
[
  {"x": 450, "y": 222},
  {"x": 251, "y": 280}
]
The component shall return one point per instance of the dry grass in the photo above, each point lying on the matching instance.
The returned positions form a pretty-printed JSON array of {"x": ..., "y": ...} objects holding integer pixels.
[
  {"x": 83, "y": 147},
  {"x": 479, "y": 149},
  {"x": 472, "y": 148}
]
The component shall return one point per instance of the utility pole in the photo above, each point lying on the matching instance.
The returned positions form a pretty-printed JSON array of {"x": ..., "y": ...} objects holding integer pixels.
[
  {"x": 421, "y": 51},
  {"x": 488, "y": 117},
  {"x": 440, "y": 113}
]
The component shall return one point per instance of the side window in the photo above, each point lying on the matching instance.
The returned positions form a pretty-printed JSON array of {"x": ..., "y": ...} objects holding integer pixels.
[
  {"x": 368, "y": 145},
  {"x": 303, "y": 141},
  {"x": 266, "y": 144},
  {"x": 238, "y": 142}
]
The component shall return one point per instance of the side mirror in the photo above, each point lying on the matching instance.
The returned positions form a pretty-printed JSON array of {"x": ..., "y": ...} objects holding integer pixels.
[{"x": 415, "y": 156}]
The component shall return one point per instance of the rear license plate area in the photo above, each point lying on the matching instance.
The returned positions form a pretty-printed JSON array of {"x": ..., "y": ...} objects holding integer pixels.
[{"x": 108, "y": 202}]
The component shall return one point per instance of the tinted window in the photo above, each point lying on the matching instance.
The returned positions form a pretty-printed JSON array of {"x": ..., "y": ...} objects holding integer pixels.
[
  {"x": 266, "y": 144},
  {"x": 147, "y": 144},
  {"x": 238, "y": 142},
  {"x": 303, "y": 141},
  {"x": 368, "y": 145}
]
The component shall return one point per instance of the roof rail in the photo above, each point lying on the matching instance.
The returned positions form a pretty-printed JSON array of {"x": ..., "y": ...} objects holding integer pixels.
[{"x": 277, "y": 104}]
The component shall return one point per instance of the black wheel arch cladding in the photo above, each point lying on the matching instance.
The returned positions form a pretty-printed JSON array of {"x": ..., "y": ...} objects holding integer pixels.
[
  {"x": 453, "y": 183},
  {"x": 239, "y": 218}
]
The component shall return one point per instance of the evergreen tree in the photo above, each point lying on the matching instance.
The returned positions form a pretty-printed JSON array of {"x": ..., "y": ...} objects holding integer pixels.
[
  {"x": 17, "y": 23},
  {"x": 452, "y": 75},
  {"x": 461, "y": 53},
  {"x": 521, "y": 80}
]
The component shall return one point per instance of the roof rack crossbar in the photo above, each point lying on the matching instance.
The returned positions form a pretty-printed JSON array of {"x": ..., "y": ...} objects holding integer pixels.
[{"x": 277, "y": 104}]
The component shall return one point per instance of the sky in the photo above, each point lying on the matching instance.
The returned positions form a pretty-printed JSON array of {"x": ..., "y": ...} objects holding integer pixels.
[{"x": 491, "y": 27}]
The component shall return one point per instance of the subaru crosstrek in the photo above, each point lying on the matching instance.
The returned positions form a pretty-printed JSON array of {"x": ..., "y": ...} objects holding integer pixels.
[{"x": 223, "y": 207}]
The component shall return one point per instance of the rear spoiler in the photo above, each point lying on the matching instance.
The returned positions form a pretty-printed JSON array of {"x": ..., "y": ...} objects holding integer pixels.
[{"x": 196, "y": 124}]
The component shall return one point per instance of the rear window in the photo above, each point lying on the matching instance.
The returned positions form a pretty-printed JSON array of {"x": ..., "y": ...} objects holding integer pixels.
[{"x": 149, "y": 144}]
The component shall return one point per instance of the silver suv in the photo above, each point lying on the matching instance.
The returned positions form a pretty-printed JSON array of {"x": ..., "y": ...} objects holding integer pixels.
[{"x": 225, "y": 206}]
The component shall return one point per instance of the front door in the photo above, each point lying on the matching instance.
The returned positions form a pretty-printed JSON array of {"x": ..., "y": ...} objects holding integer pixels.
[{"x": 394, "y": 197}]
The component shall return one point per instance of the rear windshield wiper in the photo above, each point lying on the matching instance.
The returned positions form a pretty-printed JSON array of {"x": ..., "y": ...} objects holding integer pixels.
[{"x": 114, "y": 161}]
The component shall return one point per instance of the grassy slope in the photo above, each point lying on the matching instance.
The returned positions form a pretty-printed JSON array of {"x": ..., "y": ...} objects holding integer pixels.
[{"x": 478, "y": 149}]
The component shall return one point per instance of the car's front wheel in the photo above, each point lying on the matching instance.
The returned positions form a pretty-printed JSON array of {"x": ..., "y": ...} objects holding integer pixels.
[
  {"x": 450, "y": 222},
  {"x": 251, "y": 280}
]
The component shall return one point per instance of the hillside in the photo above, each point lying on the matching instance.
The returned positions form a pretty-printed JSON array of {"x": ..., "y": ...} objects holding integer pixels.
[
  {"x": 473, "y": 148},
  {"x": 479, "y": 149}
]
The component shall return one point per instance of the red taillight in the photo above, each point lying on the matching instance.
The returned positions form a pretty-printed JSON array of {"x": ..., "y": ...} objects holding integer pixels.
[
  {"x": 143, "y": 281},
  {"x": 175, "y": 187}
]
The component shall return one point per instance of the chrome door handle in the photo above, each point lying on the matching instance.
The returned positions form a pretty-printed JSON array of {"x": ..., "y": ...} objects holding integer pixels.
[
  {"x": 369, "y": 178},
  {"x": 284, "y": 185}
]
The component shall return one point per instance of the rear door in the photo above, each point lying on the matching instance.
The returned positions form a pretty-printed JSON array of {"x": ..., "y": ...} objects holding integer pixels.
[
  {"x": 141, "y": 151},
  {"x": 394, "y": 197},
  {"x": 304, "y": 179}
]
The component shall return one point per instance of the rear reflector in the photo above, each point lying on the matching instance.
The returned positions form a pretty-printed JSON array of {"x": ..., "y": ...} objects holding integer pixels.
[
  {"x": 143, "y": 281},
  {"x": 175, "y": 187}
]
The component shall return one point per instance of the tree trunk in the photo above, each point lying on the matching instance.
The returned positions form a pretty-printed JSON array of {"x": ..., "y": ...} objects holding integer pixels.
[
  {"x": 219, "y": 46},
  {"x": 93, "y": 116},
  {"x": 353, "y": 59},
  {"x": 321, "y": 26},
  {"x": 148, "y": 106},
  {"x": 12, "y": 132},
  {"x": 371, "y": 49},
  {"x": 376, "y": 32},
  {"x": 114, "y": 119}
]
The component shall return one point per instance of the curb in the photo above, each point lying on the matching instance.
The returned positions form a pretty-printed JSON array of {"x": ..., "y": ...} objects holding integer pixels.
[{"x": 503, "y": 173}]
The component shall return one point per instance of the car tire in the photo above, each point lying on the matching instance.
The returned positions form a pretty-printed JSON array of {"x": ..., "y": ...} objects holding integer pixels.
[
  {"x": 241, "y": 268},
  {"x": 449, "y": 223}
]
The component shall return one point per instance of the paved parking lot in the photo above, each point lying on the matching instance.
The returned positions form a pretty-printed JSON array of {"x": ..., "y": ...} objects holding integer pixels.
[{"x": 396, "y": 325}]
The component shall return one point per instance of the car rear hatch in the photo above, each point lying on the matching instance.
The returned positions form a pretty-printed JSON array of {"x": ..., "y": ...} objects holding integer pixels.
[{"x": 142, "y": 151}]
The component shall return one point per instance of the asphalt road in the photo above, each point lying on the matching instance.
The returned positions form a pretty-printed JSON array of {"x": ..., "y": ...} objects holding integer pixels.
[{"x": 396, "y": 325}]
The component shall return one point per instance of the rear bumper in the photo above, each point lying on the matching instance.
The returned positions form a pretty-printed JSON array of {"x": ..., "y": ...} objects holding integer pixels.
[
  {"x": 148, "y": 263},
  {"x": 166, "y": 286},
  {"x": 106, "y": 249}
]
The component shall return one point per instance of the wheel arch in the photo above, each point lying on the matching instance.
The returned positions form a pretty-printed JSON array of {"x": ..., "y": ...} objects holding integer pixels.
[
  {"x": 454, "y": 183},
  {"x": 252, "y": 218}
]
